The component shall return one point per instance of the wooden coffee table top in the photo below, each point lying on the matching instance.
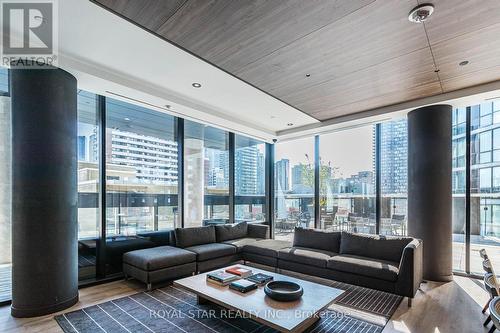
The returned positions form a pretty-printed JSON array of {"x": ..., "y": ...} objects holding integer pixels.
[{"x": 283, "y": 316}]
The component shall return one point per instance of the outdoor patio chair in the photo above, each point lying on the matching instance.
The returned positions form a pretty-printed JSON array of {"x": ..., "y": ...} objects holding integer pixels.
[
  {"x": 483, "y": 254},
  {"x": 487, "y": 266},
  {"x": 398, "y": 224},
  {"x": 491, "y": 287},
  {"x": 495, "y": 314}
]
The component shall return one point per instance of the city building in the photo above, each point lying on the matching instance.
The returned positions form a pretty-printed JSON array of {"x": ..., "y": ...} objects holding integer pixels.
[
  {"x": 154, "y": 159},
  {"x": 246, "y": 171},
  {"x": 282, "y": 175},
  {"x": 394, "y": 157}
]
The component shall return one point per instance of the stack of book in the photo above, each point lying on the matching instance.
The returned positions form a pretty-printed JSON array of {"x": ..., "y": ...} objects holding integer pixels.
[
  {"x": 240, "y": 271},
  {"x": 260, "y": 279},
  {"x": 243, "y": 286},
  {"x": 221, "y": 278}
]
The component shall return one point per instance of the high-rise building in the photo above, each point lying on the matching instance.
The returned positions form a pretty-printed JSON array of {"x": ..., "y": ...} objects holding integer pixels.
[
  {"x": 393, "y": 157},
  {"x": 297, "y": 175},
  {"x": 82, "y": 148},
  {"x": 93, "y": 147},
  {"x": 154, "y": 159},
  {"x": 360, "y": 183},
  {"x": 261, "y": 173},
  {"x": 216, "y": 168},
  {"x": 245, "y": 173},
  {"x": 282, "y": 174}
]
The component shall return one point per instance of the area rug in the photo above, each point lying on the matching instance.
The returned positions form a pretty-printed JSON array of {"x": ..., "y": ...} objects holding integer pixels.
[{"x": 171, "y": 309}]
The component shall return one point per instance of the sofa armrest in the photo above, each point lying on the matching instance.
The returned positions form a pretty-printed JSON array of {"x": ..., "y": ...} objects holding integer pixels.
[
  {"x": 257, "y": 230},
  {"x": 410, "y": 269}
]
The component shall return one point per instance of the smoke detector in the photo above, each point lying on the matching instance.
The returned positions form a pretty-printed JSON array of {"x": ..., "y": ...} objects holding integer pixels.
[{"x": 421, "y": 13}]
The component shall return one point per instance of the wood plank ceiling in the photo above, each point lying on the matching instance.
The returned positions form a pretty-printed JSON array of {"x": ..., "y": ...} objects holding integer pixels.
[{"x": 331, "y": 58}]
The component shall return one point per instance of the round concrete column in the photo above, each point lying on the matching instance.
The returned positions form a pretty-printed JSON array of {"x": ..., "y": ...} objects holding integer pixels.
[
  {"x": 44, "y": 191},
  {"x": 429, "y": 187}
]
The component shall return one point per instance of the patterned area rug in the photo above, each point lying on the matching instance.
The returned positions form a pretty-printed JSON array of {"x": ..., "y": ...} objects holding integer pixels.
[{"x": 171, "y": 309}]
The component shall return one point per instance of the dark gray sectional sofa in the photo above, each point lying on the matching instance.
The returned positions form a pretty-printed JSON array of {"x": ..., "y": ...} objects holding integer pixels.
[{"x": 392, "y": 264}]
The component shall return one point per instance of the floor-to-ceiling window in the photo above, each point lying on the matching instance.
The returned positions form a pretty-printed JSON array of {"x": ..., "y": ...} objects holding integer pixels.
[
  {"x": 347, "y": 180},
  {"x": 141, "y": 169},
  {"x": 206, "y": 175},
  {"x": 476, "y": 220},
  {"x": 88, "y": 183},
  {"x": 459, "y": 129},
  {"x": 5, "y": 188},
  {"x": 294, "y": 185},
  {"x": 131, "y": 165},
  {"x": 249, "y": 179},
  {"x": 393, "y": 170},
  {"x": 485, "y": 182}
]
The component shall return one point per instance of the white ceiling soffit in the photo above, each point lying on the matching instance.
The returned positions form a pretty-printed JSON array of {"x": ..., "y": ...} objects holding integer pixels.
[
  {"x": 111, "y": 56},
  {"x": 458, "y": 98}
]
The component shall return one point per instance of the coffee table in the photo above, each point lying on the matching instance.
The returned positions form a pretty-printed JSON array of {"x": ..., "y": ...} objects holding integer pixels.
[{"x": 293, "y": 316}]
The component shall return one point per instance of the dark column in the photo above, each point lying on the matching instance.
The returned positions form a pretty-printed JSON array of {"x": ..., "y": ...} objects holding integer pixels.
[
  {"x": 429, "y": 187},
  {"x": 44, "y": 195}
]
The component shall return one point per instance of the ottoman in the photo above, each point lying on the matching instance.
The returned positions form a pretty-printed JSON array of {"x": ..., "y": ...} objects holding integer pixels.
[{"x": 158, "y": 264}]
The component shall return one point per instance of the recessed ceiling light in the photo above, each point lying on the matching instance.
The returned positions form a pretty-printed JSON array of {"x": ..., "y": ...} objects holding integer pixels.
[
  {"x": 289, "y": 124},
  {"x": 126, "y": 119},
  {"x": 308, "y": 75},
  {"x": 421, "y": 13},
  {"x": 463, "y": 63},
  {"x": 196, "y": 85}
]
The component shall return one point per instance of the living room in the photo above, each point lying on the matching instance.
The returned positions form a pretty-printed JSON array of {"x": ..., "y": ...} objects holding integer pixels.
[{"x": 251, "y": 166}]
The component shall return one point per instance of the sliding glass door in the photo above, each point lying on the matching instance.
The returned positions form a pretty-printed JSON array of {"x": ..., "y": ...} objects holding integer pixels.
[
  {"x": 294, "y": 185},
  {"x": 347, "y": 180},
  {"x": 249, "y": 179},
  {"x": 206, "y": 175},
  {"x": 459, "y": 170},
  {"x": 141, "y": 170},
  {"x": 393, "y": 165},
  {"x": 476, "y": 185}
]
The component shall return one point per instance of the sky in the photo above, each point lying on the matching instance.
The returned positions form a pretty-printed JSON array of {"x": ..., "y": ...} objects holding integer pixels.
[{"x": 349, "y": 150}]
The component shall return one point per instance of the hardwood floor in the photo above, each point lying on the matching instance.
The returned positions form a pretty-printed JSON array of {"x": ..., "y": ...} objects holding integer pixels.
[
  {"x": 443, "y": 308},
  {"x": 439, "y": 308},
  {"x": 88, "y": 296}
]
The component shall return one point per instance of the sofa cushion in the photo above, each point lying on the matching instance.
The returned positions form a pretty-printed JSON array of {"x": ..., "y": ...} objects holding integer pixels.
[
  {"x": 240, "y": 242},
  {"x": 185, "y": 237},
  {"x": 371, "y": 246},
  {"x": 226, "y": 232},
  {"x": 160, "y": 238},
  {"x": 374, "y": 268},
  {"x": 158, "y": 257},
  {"x": 306, "y": 256},
  {"x": 258, "y": 230},
  {"x": 267, "y": 247},
  {"x": 211, "y": 251},
  {"x": 317, "y": 239},
  {"x": 116, "y": 249}
]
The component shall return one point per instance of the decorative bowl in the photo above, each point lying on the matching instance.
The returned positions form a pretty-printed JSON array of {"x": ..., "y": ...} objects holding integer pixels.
[{"x": 283, "y": 291}]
